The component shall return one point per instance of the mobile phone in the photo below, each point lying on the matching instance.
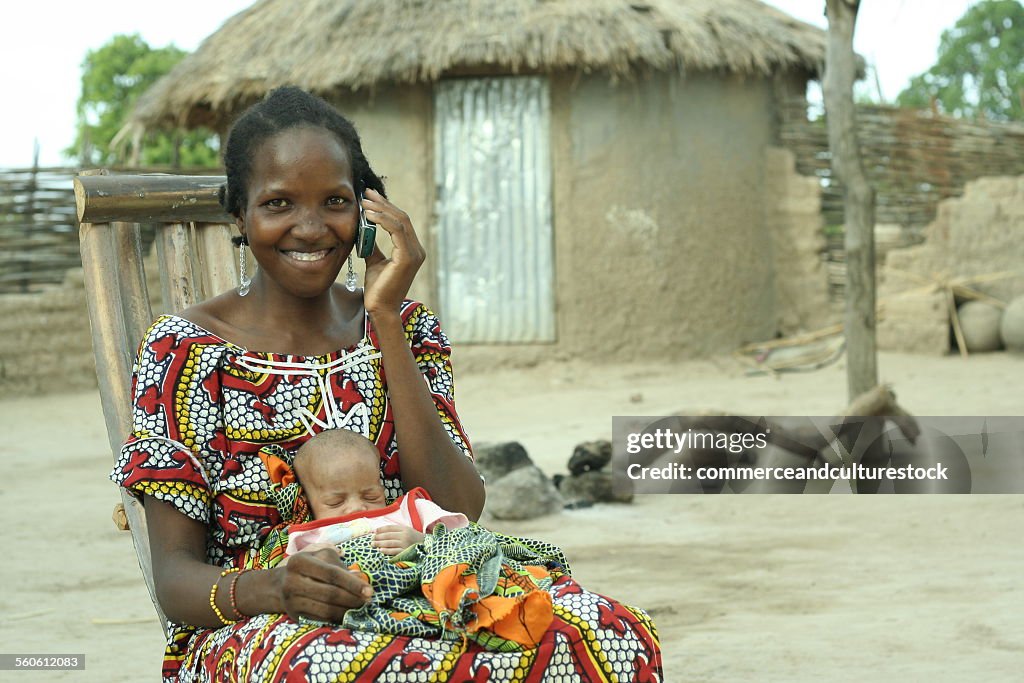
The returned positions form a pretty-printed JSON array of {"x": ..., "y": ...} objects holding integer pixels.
[{"x": 366, "y": 233}]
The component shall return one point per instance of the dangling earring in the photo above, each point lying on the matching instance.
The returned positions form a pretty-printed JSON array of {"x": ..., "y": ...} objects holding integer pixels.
[
  {"x": 243, "y": 279},
  {"x": 350, "y": 280}
]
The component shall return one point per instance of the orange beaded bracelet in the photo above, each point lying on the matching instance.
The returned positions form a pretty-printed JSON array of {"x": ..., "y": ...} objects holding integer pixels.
[
  {"x": 231, "y": 595},
  {"x": 213, "y": 597}
]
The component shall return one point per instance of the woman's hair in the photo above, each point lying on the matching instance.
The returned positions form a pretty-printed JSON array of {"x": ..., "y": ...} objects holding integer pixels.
[{"x": 284, "y": 108}]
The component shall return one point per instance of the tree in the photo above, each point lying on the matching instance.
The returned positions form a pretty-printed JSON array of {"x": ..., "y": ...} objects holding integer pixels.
[
  {"x": 858, "y": 197},
  {"x": 980, "y": 67},
  {"x": 113, "y": 78}
]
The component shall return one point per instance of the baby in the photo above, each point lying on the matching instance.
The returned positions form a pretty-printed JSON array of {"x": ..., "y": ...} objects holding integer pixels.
[
  {"x": 339, "y": 471},
  {"x": 464, "y": 582}
]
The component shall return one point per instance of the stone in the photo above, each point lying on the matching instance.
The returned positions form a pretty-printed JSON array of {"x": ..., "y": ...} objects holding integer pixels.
[
  {"x": 590, "y": 455},
  {"x": 1012, "y": 327},
  {"x": 494, "y": 461},
  {"x": 593, "y": 487},
  {"x": 979, "y": 322},
  {"x": 524, "y": 493}
]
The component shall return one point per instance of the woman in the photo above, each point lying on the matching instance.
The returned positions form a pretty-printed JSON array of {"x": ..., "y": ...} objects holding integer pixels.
[{"x": 289, "y": 354}]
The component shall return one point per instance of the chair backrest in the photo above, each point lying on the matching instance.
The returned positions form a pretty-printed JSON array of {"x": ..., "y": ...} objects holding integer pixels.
[{"x": 195, "y": 259}]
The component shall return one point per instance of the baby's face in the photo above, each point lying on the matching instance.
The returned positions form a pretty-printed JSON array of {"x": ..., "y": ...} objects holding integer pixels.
[{"x": 339, "y": 484}]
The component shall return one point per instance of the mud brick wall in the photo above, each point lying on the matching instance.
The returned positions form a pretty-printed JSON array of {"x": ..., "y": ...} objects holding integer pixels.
[{"x": 45, "y": 345}]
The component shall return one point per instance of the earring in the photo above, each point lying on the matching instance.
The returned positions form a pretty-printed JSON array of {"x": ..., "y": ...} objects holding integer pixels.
[
  {"x": 350, "y": 279},
  {"x": 243, "y": 279}
]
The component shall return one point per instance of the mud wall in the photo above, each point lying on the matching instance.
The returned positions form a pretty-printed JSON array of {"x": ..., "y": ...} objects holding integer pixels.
[
  {"x": 975, "y": 239},
  {"x": 792, "y": 205},
  {"x": 660, "y": 239},
  {"x": 45, "y": 346}
]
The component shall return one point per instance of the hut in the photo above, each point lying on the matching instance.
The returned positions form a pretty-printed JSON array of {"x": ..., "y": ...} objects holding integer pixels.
[{"x": 589, "y": 178}]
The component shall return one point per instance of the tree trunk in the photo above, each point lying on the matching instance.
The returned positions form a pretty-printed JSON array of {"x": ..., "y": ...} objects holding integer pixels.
[{"x": 859, "y": 198}]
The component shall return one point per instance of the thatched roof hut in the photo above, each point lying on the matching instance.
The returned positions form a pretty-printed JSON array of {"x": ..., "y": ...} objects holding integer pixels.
[
  {"x": 328, "y": 45},
  {"x": 589, "y": 177}
]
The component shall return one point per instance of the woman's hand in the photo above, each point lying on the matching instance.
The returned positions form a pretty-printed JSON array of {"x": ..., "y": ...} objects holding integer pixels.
[
  {"x": 388, "y": 279},
  {"x": 317, "y": 586},
  {"x": 393, "y": 539}
]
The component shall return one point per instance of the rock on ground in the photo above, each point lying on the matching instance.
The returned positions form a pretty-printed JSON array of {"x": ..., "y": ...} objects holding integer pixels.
[{"x": 524, "y": 493}]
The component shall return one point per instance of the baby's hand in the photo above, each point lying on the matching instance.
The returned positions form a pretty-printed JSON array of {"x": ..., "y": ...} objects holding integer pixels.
[{"x": 393, "y": 539}]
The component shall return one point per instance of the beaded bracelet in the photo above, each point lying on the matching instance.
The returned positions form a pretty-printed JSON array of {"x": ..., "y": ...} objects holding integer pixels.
[
  {"x": 213, "y": 597},
  {"x": 231, "y": 595}
]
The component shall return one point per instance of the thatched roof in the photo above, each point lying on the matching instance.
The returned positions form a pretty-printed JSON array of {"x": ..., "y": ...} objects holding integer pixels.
[{"x": 326, "y": 45}]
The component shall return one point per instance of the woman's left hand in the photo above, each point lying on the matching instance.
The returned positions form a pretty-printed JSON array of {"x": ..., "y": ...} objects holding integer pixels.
[{"x": 388, "y": 279}]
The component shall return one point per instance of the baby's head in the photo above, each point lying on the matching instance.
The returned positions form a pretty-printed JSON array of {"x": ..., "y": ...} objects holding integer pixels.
[{"x": 340, "y": 473}]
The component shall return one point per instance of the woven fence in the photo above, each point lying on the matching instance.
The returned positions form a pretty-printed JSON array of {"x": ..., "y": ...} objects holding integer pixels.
[
  {"x": 39, "y": 227},
  {"x": 913, "y": 158}
]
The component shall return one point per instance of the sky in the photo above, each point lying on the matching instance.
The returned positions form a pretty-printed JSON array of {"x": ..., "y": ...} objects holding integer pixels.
[{"x": 42, "y": 45}]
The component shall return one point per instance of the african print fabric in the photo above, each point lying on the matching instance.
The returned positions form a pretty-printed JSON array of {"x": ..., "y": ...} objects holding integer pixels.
[
  {"x": 458, "y": 584},
  {"x": 204, "y": 407},
  {"x": 591, "y": 639}
]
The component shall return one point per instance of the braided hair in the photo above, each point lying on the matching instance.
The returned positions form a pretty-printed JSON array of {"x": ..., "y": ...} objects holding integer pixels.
[{"x": 284, "y": 108}]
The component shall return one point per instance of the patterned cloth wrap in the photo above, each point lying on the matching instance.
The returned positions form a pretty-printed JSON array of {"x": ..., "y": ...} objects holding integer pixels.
[{"x": 458, "y": 584}]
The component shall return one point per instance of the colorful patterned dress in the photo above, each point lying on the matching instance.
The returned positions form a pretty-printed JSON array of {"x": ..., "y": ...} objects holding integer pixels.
[{"x": 203, "y": 409}]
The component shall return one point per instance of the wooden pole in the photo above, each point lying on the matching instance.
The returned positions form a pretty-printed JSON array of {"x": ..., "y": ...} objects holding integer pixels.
[
  {"x": 114, "y": 353},
  {"x": 30, "y": 207},
  {"x": 181, "y": 284},
  {"x": 217, "y": 258},
  {"x": 859, "y": 198},
  {"x": 149, "y": 198}
]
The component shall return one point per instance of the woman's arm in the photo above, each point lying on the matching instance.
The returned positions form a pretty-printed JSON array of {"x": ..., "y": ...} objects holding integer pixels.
[
  {"x": 315, "y": 585},
  {"x": 429, "y": 458}
]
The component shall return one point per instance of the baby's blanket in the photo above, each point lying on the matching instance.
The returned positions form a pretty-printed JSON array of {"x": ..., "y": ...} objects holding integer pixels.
[{"x": 465, "y": 583}]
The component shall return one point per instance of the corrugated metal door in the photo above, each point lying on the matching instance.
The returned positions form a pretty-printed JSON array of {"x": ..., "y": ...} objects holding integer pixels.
[{"x": 495, "y": 265}]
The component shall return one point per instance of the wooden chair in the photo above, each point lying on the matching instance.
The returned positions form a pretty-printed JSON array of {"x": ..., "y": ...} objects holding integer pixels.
[{"x": 196, "y": 260}]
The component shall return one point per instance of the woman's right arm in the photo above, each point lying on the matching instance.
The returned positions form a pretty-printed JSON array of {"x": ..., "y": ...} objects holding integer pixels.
[{"x": 314, "y": 585}]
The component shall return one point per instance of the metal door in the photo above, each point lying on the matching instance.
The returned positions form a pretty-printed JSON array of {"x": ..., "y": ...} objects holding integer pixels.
[{"x": 494, "y": 243}]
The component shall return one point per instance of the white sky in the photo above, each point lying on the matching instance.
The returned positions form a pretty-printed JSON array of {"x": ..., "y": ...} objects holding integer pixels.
[{"x": 42, "y": 45}]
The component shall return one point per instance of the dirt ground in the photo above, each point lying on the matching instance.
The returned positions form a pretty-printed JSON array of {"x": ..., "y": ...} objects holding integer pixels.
[{"x": 742, "y": 588}]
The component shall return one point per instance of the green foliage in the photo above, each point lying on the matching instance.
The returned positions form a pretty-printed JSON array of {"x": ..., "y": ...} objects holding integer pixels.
[
  {"x": 980, "y": 67},
  {"x": 113, "y": 78}
]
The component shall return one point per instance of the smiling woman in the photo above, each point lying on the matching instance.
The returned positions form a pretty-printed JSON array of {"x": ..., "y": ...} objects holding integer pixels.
[
  {"x": 290, "y": 355},
  {"x": 300, "y": 217}
]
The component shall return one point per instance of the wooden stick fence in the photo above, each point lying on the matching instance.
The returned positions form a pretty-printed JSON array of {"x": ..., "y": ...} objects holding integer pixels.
[
  {"x": 913, "y": 158},
  {"x": 39, "y": 228}
]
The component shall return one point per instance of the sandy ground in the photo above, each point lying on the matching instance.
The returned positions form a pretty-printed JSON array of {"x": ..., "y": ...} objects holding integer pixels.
[{"x": 743, "y": 588}]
